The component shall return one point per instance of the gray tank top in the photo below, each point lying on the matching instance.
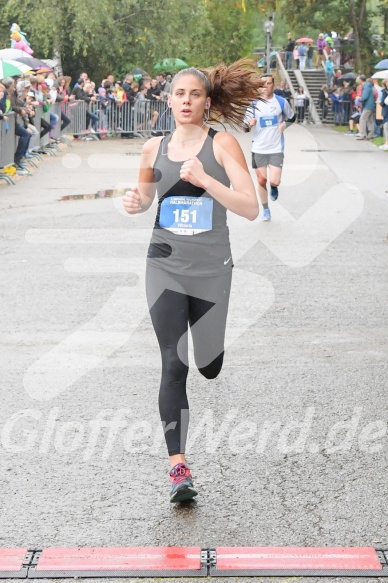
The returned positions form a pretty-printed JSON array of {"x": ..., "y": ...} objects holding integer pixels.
[{"x": 190, "y": 235}]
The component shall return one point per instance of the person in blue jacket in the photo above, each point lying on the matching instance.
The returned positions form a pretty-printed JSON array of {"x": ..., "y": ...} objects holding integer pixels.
[{"x": 368, "y": 101}]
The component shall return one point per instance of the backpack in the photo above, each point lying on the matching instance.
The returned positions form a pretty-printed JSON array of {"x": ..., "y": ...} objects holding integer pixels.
[{"x": 302, "y": 51}]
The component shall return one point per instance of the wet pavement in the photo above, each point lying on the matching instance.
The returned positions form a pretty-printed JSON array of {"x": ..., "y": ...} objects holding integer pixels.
[{"x": 288, "y": 446}]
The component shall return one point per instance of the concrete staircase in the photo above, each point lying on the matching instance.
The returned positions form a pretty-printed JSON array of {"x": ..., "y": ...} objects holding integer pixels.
[
  {"x": 293, "y": 80},
  {"x": 314, "y": 79}
]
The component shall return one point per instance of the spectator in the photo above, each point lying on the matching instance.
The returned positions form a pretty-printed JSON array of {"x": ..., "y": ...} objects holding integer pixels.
[
  {"x": 128, "y": 89},
  {"x": 12, "y": 102},
  {"x": 310, "y": 54},
  {"x": 377, "y": 92},
  {"x": 62, "y": 97},
  {"x": 164, "y": 85},
  {"x": 323, "y": 100},
  {"x": 320, "y": 48},
  {"x": 337, "y": 50},
  {"x": 154, "y": 93},
  {"x": 367, "y": 100},
  {"x": 289, "y": 48},
  {"x": 296, "y": 56},
  {"x": 354, "y": 120},
  {"x": 280, "y": 89},
  {"x": 302, "y": 52},
  {"x": 336, "y": 105},
  {"x": 287, "y": 92},
  {"x": 329, "y": 69},
  {"x": 63, "y": 89},
  {"x": 301, "y": 101},
  {"x": 384, "y": 105},
  {"x": 52, "y": 98},
  {"x": 348, "y": 102},
  {"x": 45, "y": 102},
  {"x": 336, "y": 78},
  {"x": 81, "y": 95}
]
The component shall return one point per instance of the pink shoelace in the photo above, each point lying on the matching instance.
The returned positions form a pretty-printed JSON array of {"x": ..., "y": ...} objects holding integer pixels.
[{"x": 179, "y": 473}]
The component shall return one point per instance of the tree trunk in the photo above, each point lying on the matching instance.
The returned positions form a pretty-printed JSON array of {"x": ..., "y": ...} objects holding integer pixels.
[
  {"x": 357, "y": 18},
  {"x": 58, "y": 59}
]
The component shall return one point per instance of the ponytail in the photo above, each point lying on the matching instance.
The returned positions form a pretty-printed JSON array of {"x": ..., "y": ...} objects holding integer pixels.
[{"x": 231, "y": 89}]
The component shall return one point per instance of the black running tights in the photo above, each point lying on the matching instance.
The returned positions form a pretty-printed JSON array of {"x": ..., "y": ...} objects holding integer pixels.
[{"x": 175, "y": 302}]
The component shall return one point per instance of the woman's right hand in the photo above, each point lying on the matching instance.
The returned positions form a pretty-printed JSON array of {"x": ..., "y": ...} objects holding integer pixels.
[{"x": 132, "y": 201}]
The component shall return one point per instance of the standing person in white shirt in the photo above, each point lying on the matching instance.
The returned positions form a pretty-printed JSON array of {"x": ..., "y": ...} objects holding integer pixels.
[{"x": 269, "y": 119}]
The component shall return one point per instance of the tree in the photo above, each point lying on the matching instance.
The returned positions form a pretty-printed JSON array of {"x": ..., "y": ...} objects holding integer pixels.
[{"x": 335, "y": 15}]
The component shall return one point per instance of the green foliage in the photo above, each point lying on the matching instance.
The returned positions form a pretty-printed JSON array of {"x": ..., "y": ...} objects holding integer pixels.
[
  {"x": 104, "y": 36},
  {"x": 113, "y": 36}
]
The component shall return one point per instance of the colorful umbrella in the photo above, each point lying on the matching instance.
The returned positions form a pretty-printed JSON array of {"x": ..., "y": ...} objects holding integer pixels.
[
  {"x": 167, "y": 64},
  {"x": 12, "y": 69},
  {"x": 380, "y": 75},
  {"x": 382, "y": 64},
  {"x": 35, "y": 64},
  {"x": 304, "y": 39}
]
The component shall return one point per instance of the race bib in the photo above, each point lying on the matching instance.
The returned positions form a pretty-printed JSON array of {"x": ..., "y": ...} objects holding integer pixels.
[
  {"x": 268, "y": 121},
  {"x": 186, "y": 215}
]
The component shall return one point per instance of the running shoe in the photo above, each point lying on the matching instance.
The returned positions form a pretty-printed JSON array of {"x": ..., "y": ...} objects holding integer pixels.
[
  {"x": 274, "y": 192},
  {"x": 182, "y": 484},
  {"x": 384, "y": 147},
  {"x": 349, "y": 133},
  {"x": 266, "y": 215}
]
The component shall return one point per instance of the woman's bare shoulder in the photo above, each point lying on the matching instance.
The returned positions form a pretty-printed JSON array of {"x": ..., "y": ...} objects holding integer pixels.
[
  {"x": 225, "y": 139},
  {"x": 152, "y": 145}
]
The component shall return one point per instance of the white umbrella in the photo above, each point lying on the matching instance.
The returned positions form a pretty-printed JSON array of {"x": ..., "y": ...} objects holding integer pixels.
[
  {"x": 7, "y": 54},
  {"x": 380, "y": 75}
]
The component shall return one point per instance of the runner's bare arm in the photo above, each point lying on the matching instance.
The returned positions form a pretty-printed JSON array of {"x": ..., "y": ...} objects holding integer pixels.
[{"x": 140, "y": 198}]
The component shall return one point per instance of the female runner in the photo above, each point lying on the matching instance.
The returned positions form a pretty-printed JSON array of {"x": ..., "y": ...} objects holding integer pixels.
[{"x": 189, "y": 262}]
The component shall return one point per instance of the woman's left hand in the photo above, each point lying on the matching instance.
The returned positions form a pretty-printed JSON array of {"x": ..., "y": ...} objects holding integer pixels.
[{"x": 192, "y": 171}]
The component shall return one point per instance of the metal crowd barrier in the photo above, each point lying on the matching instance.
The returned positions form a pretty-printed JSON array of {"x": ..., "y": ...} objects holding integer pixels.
[
  {"x": 76, "y": 111},
  {"x": 140, "y": 119},
  {"x": 7, "y": 140}
]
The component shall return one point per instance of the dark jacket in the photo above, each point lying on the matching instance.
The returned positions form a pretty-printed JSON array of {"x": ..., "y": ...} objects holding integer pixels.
[
  {"x": 367, "y": 97},
  {"x": 16, "y": 104},
  {"x": 290, "y": 45},
  {"x": 80, "y": 94}
]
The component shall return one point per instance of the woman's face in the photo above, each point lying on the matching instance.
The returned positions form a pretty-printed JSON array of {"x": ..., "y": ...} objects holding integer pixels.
[{"x": 188, "y": 100}]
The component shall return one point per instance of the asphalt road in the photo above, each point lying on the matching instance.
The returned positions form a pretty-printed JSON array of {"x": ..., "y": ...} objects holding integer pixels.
[{"x": 288, "y": 446}]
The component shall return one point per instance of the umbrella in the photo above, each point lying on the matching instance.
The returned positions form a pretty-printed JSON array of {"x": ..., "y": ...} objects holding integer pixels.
[
  {"x": 11, "y": 54},
  {"x": 380, "y": 75},
  {"x": 382, "y": 64},
  {"x": 36, "y": 64},
  {"x": 348, "y": 77},
  {"x": 12, "y": 68},
  {"x": 304, "y": 39},
  {"x": 138, "y": 71},
  {"x": 167, "y": 64}
]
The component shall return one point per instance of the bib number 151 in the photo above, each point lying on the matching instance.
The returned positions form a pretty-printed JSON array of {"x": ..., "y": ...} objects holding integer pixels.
[{"x": 185, "y": 216}]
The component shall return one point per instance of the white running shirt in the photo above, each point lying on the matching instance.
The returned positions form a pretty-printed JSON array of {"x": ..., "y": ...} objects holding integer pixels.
[{"x": 267, "y": 137}]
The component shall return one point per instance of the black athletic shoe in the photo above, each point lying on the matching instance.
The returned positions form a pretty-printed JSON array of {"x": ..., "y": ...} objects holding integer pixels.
[
  {"x": 182, "y": 484},
  {"x": 274, "y": 192}
]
